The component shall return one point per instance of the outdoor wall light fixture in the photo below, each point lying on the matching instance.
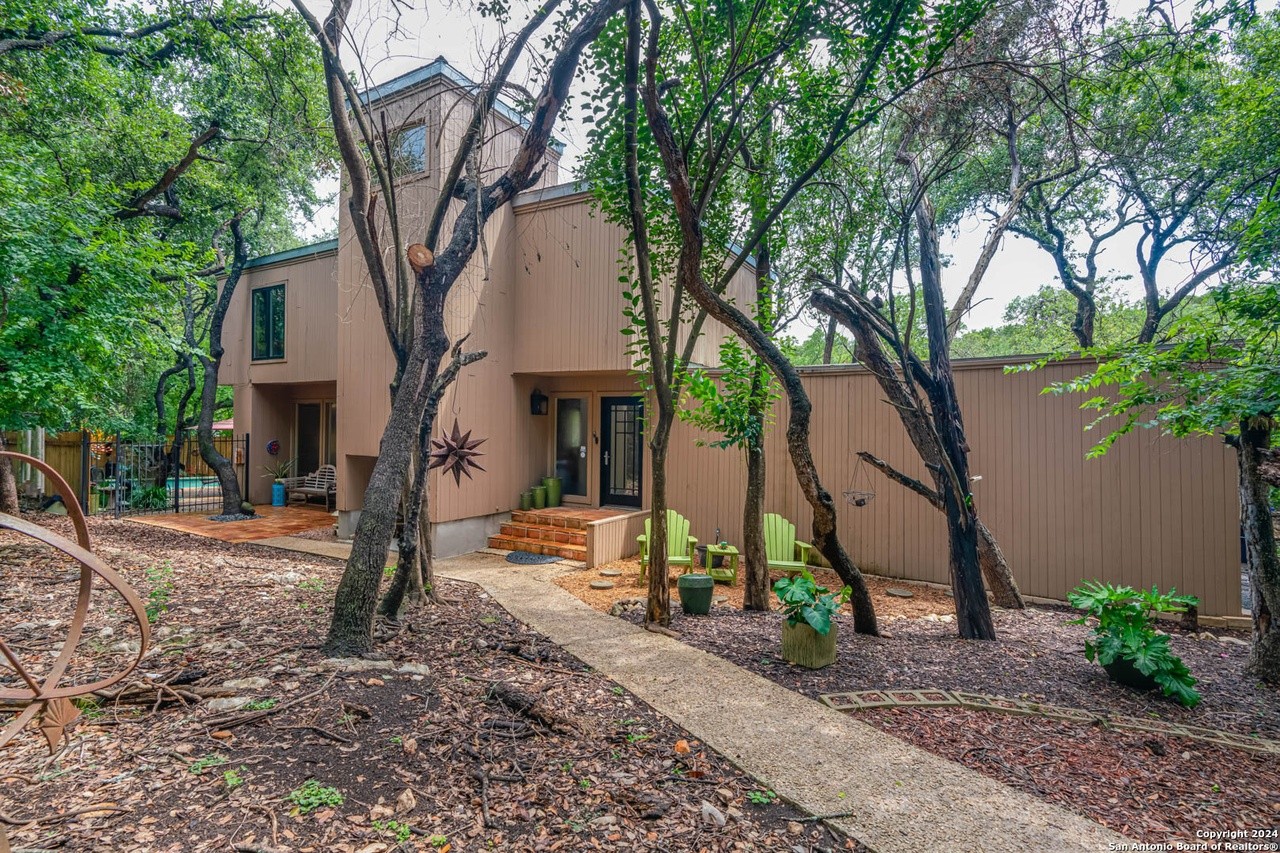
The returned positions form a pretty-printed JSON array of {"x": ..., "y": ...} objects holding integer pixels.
[{"x": 538, "y": 402}]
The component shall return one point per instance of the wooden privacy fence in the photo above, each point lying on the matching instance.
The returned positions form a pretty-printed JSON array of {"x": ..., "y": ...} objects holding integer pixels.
[{"x": 1154, "y": 510}]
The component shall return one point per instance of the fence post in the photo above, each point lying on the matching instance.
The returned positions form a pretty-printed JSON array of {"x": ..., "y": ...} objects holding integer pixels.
[
  {"x": 177, "y": 478},
  {"x": 115, "y": 493},
  {"x": 84, "y": 471},
  {"x": 245, "y": 493}
]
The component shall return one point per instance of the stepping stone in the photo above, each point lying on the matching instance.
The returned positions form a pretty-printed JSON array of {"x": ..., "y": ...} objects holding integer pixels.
[
  {"x": 899, "y": 593},
  {"x": 611, "y": 573},
  {"x": 602, "y": 584},
  {"x": 719, "y": 599}
]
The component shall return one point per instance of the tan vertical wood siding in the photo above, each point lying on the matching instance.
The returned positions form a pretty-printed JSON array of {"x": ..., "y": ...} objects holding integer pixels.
[
  {"x": 311, "y": 318},
  {"x": 1155, "y": 510}
]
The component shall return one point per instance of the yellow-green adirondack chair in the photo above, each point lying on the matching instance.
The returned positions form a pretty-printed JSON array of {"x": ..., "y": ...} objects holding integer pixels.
[
  {"x": 781, "y": 547},
  {"x": 680, "y": 545}
]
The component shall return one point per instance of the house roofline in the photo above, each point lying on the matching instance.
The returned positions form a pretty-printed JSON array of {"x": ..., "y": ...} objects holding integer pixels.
[
  {"x": 970, "y": 363},
  {"x": 552, "y": 193},
  {"x": 440, "y": 68},
  {"x": 296, "y": 254}
]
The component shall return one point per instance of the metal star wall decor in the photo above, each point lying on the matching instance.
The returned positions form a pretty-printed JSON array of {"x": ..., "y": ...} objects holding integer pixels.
[{"x": 456, "y": 453}]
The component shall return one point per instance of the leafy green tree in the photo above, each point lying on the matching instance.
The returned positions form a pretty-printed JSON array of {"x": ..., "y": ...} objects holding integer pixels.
[
  {"x": 140, "y": 144},
  {"x": 1222, "y": 376},
  {"x": 1158, "y": 112},
  {"x": 1041, "y": 322}
]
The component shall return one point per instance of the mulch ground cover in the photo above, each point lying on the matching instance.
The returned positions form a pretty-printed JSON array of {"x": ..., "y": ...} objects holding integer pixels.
[
  {"x": 466, "y": 732},
  {"x": 925, "y": 600},
  {"x": 1149, "y": 787}
]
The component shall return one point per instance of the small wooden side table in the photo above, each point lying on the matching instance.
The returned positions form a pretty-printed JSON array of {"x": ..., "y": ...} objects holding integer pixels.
[{"x": 729, "y": 573}]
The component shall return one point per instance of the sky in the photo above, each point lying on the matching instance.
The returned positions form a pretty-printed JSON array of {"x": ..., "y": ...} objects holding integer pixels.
[{"x": 395, "y": 38}]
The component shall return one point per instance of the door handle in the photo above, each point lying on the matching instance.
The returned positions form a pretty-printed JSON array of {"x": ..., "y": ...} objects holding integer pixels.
[
  {"x": 606, "y": 457},
  {"x": 582, "y": 451}
]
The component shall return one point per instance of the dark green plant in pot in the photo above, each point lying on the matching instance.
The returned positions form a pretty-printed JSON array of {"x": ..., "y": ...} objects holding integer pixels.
[
  {"x": 804, "y": 601},
  {"x": 1126, "y": 638}
]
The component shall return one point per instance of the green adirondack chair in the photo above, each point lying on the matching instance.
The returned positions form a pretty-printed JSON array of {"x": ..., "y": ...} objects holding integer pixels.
[
  {"x": 783, "y": 550},
  {"x": 680, "y": 545}
]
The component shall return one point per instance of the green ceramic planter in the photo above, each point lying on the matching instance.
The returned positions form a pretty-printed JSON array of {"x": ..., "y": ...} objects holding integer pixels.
[
  {"x": 695, "y": 593},
  {"x": 526, "y": 501},
  {"x": 539, "y": 497},
  {"x": 552, "y": 485}
]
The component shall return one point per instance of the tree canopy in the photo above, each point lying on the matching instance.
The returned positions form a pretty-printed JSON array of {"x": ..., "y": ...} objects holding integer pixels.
[{"x": 131, "y": 134}]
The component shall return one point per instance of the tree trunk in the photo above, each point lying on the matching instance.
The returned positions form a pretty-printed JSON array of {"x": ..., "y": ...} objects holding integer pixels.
[
  {"x": 755, "y": 591},
  {"x": 829, "y": 342},
  {"x": 996, "y": 571},
  {"x": 221, "y": 465},
  {"x": 1260, "y": 549},
  {"x": 973, "y": 614},
  {"x": 915, "y": 420},
  {"x": 351, "y": 627},
  {"x": 210, "y": 364},
  {"x": 8, "y": 484},
  {"x": 406, "y": 584},
  {"x": 658, "y": 609}
]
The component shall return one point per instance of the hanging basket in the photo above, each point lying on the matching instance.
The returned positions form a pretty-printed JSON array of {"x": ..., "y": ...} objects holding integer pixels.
[
  {"x": 861, "y": 491},
  {"x": 858, "y": 498}
]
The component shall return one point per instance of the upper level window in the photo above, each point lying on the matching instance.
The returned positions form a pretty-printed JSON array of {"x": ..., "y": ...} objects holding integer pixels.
[
  {"x": 268, "y": 322},
  {"x": 409, "y": 151}
]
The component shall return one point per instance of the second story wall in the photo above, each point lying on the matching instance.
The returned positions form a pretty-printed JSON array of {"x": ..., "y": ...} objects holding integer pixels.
[
  {"x": 569, "y": 302},
  {"x": 308, "y": 293}
]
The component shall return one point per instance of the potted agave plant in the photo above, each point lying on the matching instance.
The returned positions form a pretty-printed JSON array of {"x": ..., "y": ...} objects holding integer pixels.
[
  {"x": 278, "y": 471},
  {"x": 809, "y": 634}
]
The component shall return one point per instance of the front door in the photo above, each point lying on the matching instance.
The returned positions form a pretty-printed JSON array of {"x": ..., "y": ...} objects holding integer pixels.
[{"x": 622, "y": 439}]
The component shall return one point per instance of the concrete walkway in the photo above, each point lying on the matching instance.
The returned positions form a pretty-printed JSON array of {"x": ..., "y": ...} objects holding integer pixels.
[{"x": 897, "y": 798}]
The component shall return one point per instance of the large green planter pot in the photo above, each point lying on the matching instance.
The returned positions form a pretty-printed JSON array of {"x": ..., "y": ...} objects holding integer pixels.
[
  {"x": 695, "y": 593},
  {"x": 1122, "y": 671},
  {"x": 805, "y": 647},
  {"x": 552, "y": 485},
  {"x": 539, "y": 497}
]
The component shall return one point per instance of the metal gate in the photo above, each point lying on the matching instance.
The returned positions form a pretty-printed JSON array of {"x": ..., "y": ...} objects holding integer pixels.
[{"x": 142, "y": 478}]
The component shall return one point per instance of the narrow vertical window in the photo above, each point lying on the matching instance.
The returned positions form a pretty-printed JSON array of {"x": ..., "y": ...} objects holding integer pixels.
[{"x": 268, "y": 322}]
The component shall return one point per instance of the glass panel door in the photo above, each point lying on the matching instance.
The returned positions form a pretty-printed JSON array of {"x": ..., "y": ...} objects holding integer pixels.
[
  {"x": 308, "y": 438},
  {"x": 571, "y": 444},
  {"x": 331, "y": 434},
  {"x": 620, "y": 448}
]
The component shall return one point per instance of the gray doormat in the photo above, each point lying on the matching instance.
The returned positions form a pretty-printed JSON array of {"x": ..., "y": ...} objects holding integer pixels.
[{"x": 526, "y": 558}]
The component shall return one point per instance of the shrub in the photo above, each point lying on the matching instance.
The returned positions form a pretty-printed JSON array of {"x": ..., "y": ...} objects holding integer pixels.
[
  {"x": 149, "y": 497},
  {"x": 804, "y": 601},
  {"x": 1126, "y": 630}
]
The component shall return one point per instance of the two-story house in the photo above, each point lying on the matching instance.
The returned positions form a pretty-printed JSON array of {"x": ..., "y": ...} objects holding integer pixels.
[{"x": 310, "y": 364}]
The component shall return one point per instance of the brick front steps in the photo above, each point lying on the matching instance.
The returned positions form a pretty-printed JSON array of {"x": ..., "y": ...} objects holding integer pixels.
[{"x": 556, "y": 533}]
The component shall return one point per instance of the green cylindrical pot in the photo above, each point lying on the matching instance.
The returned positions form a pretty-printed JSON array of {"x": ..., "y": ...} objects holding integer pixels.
[
  {"x": 539, "y": 497},
  {"x": 552, "y": 485},
  {"x": 695, "y": 593},
  {"x": 526, "y": 501},
  {"x": 805, "y": 647}
]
